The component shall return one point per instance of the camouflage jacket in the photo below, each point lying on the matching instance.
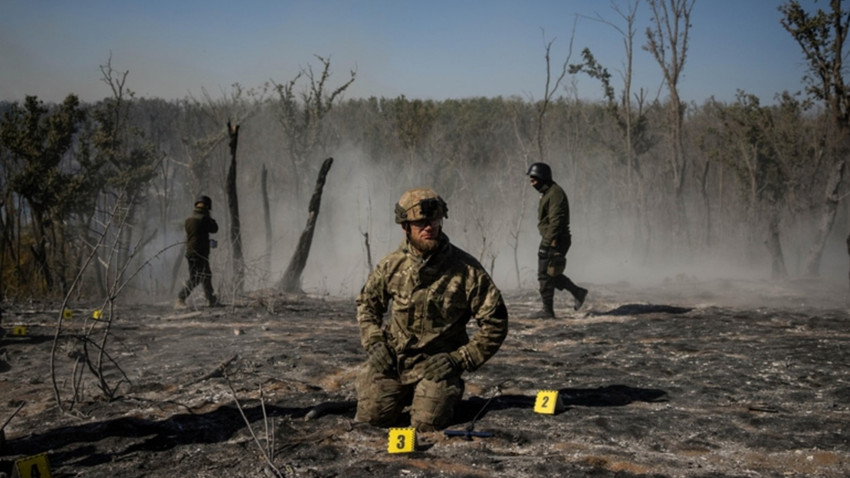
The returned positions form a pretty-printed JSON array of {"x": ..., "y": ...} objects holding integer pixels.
[
  {"x": 199, "y": 226},
  {"x": 432, "y": 302},
  {"x": 553, "y": 218}
]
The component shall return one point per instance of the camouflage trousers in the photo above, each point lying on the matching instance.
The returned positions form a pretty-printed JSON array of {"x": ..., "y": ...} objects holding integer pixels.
[{"x": 382, "y": 398}]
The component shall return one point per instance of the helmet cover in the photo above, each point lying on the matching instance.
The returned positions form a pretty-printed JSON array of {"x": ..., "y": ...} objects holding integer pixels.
[{"x": 420, "y": 203}]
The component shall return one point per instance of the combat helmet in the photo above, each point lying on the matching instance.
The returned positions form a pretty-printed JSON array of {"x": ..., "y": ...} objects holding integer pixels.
[
  {"x": 540, "y": 171},
  {"x": 420, "y": 203},
  {"x": 205, "y": 200}
]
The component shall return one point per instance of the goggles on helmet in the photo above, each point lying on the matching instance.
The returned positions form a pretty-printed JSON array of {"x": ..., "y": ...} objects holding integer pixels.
[
  {"x": 430, "y": 207},
  {"x": 417, "y": 204}
]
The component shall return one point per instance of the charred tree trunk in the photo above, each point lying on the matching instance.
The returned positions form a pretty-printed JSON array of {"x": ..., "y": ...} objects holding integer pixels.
[
  {"x": 233, "y": 204},
  {"x": 267, "y": 215},
  {"x": 827, "y": 220},
  {"x": 368, "y": 251},
  {"x": 291, "y": 281}
]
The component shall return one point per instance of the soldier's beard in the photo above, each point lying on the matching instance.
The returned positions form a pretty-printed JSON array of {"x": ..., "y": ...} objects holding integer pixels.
[{"x": 424, "y": 246}]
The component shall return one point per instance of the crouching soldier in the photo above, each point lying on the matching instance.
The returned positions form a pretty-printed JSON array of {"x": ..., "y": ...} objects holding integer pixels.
[{"x": 417, "y": 357}]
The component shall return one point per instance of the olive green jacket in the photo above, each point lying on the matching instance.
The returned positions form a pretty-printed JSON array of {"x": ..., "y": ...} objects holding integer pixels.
[
  {"x": 553, "y": 218},
  {"x": 432, "y": 300}
]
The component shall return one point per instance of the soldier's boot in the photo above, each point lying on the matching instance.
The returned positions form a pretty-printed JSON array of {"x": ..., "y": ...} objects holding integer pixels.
[
  {"x": 209, "y": 293},
  {"x": 548, "y": 310},
  {"x": 563, "y": 282},
  {"x": 212, "y": 301},
  {"x": 180, "y": 303},
  {"x": 184, "y": 294},
  {"x": 579, "y": 295}
]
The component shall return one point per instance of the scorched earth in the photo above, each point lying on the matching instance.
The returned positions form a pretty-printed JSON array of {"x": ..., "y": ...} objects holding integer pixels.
[{"x": 684, "y": 378}]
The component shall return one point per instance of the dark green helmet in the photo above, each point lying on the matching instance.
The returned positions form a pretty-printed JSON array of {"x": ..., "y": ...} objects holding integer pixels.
[
  {"x": 204, "y": 201},
  {"x": 540, "y": 171}
]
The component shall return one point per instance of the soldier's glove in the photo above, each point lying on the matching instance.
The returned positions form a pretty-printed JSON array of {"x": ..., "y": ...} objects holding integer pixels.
[
  {"x": 438, "y": 367},
  {"x": 556, "y": 265},
  {"x": 380, "y": 358}
]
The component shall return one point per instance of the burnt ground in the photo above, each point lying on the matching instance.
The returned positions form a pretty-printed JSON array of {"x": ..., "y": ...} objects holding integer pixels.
[{"x": 687, "y": 378}]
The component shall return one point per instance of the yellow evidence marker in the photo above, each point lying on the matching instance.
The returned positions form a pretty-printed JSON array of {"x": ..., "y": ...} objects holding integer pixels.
[
  {"x": 548, "y": 402},
  {"x": 96, "y": 314},
  {"x": 401, "y": 440},
  {"x": 32, "y": 467},
  {"x": 67, "y": 314},
  {"x": 19, "y": 330}
]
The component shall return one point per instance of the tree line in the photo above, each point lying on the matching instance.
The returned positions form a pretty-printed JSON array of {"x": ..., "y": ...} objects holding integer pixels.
[{"x": 91, "y": 192}]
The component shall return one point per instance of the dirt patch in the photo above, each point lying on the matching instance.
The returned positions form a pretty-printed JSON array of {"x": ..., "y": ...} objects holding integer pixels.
[{"x": 686, "y": 378}]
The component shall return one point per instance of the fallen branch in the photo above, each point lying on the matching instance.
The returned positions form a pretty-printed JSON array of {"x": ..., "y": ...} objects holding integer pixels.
[
  {"x": 215, "y": 373},
  {"x": 12, "y": 416}
]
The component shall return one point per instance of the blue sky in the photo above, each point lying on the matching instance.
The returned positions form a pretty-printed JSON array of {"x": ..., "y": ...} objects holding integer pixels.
[{"x": 427, "y": 49}]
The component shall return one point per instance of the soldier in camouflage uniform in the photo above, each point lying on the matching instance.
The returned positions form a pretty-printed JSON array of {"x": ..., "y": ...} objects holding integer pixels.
[
  {"x": 435, "y": 289},
  {"x": 199, "y": 226},
  {"x": 553, "y": 223}
]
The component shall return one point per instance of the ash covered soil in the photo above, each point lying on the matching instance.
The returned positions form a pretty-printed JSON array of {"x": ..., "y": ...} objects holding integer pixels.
[{"x": 685, "y": 378}]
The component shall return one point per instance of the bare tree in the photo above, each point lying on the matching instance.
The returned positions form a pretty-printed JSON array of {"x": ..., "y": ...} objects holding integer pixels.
[
  {"x": 748, "y": 144},
  {"x": 827, "y": 219},
  {"x": 631, "y": 119},
  {"x": 516, "y": 226},
  {"x": 667, "y": 41},
  {"x": 303, "y": 121},
  {"x": 822, "y": 36},
  {"x": 549, "y": 89},
  {"x": 92, "y": 351},
  {"x": 533, "y": 149}
]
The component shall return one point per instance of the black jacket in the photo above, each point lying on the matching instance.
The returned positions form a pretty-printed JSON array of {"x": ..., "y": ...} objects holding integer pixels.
[{"x": 199, "y": 226}]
